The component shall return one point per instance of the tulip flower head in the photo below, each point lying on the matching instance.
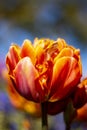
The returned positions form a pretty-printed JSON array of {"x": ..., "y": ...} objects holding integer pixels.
[{"x": 46, "y": 70}]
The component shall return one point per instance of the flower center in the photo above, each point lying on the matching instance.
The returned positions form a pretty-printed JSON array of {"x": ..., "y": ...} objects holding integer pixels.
[{"x": 45, "y": 67}]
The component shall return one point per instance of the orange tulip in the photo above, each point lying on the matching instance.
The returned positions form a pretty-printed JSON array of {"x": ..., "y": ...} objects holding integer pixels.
[{"x": 48, "y": 70}]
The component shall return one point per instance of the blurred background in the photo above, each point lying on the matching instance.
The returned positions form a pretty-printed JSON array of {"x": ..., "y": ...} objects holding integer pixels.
[{"x": 27, "y": 19}]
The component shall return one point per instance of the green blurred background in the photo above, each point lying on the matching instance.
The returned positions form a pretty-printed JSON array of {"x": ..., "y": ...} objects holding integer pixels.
[{"x": 27, "y": 19}]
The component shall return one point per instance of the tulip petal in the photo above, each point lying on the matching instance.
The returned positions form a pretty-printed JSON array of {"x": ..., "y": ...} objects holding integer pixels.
[
  {"x": 39, "y": 54},
  {"x": 12, "y": 57},
  {"x": 25, "y": 75},
  {"x": 64, "y": 52},
  {"x": 61, "y": 44},
  {"x": 66, "y": 75},
  {"x": 27, "y": 50}
]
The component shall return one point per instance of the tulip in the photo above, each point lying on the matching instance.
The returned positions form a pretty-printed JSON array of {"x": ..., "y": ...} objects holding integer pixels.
[{"x": 48, "y": 70}]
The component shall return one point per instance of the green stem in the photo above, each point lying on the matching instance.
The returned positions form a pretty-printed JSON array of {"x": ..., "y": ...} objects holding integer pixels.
[{"x": 44, "y": 116}]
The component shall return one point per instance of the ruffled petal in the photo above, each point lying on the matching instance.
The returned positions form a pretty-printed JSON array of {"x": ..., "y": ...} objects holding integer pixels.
[{"x": 39, "y": 55}]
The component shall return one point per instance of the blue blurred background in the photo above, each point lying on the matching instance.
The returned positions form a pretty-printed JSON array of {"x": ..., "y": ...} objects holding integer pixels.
[{"x": 27, "y": 19}]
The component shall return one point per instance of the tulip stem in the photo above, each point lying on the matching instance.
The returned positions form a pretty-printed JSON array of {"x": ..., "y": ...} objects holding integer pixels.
[{"x": 44, "y": 116}]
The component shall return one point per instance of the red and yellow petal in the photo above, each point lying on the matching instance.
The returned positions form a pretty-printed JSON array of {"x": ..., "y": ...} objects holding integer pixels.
[
  {"x": 28, "y": 50},
  {"x": 39, "y": 55},
  {"x": 64, "y": 53},
  {"x": 65, "y": 77},
  {"x": 61, "y": 44},
  {"x": 13, "y": 57},
  {"x": 25, "y": 75}
]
